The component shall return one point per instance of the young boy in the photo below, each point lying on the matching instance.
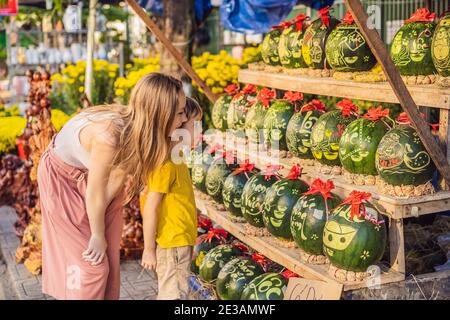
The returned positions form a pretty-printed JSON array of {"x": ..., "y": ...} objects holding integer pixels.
[{"x": 170, "y": 221}]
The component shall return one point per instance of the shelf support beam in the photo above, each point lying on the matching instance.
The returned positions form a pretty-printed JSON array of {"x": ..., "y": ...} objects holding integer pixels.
[{"x": 378, "y": 48}]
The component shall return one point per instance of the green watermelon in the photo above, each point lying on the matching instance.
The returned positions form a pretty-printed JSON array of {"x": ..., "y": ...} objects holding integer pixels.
[
  {"x": 254, "y": 122},
  {"x": 290, "y": 45},
  {"x": 309, "y": 216},
  {"x": 275, "y": 123},
  {"x": 347, "y": 50},
  {"x": 216, "y": 175},
  {"x": 253, "y": 197},
  {"x": 194, "y": 156},
  {"x": 279, "y": 201},
  {"x": 359, "y": 143},
  {"x": 204, "y": 243},
  {"x": 267, "y": 286},
  {"x": 411, "y": 47},
  {"x": 269, "y": 48},
  {"x": 219, "y": 111},
  {"x": 200, "y": 168},
  {"x": 327, "y": 131},
  {"x": 440, "y": 47},
  {"x": 235, "y": 276},
  {"x": 234, "y": 185},
  {"x": 215, "y": 259},
  {"x": 402, "y": 159},
  {"x": 298, "y": 132},
  {"x": 355, "y": 242},
  {"x": 315, "y": 38},
  {"x": 239, "y": 107}
]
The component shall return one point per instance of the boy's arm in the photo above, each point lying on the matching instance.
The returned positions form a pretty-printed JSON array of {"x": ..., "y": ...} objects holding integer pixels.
[{"x": 150, "y": 222}]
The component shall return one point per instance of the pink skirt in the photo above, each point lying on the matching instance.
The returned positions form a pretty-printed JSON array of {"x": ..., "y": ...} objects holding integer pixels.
[{"x": 66, "y": 233}]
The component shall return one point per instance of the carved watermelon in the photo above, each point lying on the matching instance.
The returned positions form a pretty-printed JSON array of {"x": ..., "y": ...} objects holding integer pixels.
[
  {"x": 402, "y": 159},
  {"x": 235, "y": 276},
  {"x": 315, "y": 38},
  {"x": 253, "y": 197},
  {"x": 200, "y": 169},
  {"x": 269, "y": 49},
  {"x": 194, "y": 156},
  {"x": 254, "y": 122},
  {"x": 440, "y": 47},
  {"x": 275, "y": 123},
  {"x": 234, "y": 185},
  {"x": 279, "y": 201},
  {"x": 326, "y": 133},
  {"x": 347, "y": 50},
  {"x": 216, "y": 175},
  {"x": 359, "y": 143},
  {"x": 267, "y": 286},
  {"x": 411, "y": 47},
  {"x": 356, "y": 241},
  {"x": 204, "y": 243},
  {"x": 298, "y": 132},
  {"x": 239, "y": 107},
  {"x": 309, "y": 216},
  {"x": 219, "y": 112},
  {"x": 290, "y": 45},
  {"x": 215, "y": 259}
]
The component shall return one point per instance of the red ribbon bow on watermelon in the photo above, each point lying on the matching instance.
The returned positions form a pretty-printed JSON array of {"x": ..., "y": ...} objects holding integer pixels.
[
  {"x": 232, "y": 89},
  {"x": 348, "y": 18},
  {"x": 375, "y": 114},
  {"x": 215, "y": 148},
  {"x": 347, "y": 107},
  {"x": 261, "y": 260},
  {"x": 204, "y": 223},
  {"x": 271, "y": 170},
  {"x": 295, "y": 173},
  {"x": 325, "y": 16},
  {"x": 248, "y": 89},
  {"x": 289, "y": 274},
  {"x": 265, "y": 95},
  {"x": 241, "y": 247},
  {"x": 299, "y": 21},
  {"x": 315, "y": 104},
  {"x": 324, "y": 188},
  {"x": 422, "y": 15},
  {"x": 292, "y": 96},
  {"x": 244, "y": 167},
  {"x": 219, "y": 234},
  {"x": 282, "y": 25},
  {"x": 404, "y": 119}
]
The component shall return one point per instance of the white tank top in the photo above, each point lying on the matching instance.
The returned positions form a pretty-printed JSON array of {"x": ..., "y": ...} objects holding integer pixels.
[{"x": 67, "y": 142}]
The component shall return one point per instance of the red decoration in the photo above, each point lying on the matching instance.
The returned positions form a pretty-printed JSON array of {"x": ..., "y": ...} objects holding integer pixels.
[
  {"x": 356, "y": 200},
  {"x": 248, "y": 89},
  {"x": 283, "y": 25},
  {"x": 241, "y": 247},
  {"x": 292, "y": 96},
  {"x": 324, "y": 188},
  {"x": 215, "y": 148},
  {"x": 261, "y": 260},
  {"x": 271, "y": 170},
  {"x": 325, "y": 16},
  {"x": 204, "y": 223},
  {"x": 375, "y": 114},
  {"x": 219, "y": 234},
  {"x": 232, "y": 89},
  {"x": 289, "y": 274},
  {"x": 348, "y": 18},
  {"x": 299, "y": 21},
  {"x": 315, "y": 104},
  {"x": 244, "y": 167},
  {"x": 295, "y": 173},
  {"x": 422, "y": 15},
  {"x": 404, "y": 119},
  {"x": 347, "y": 107},
  {"x": 265, "y": 95}
]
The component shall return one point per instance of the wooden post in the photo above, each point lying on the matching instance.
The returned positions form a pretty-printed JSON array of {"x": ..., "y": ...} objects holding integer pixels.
[
  {"x": 378, "y": 48},
  {"x": 173, "y": 51},
  {"x": 88, "y": 79},
  {"x": 397, "y": 245}
]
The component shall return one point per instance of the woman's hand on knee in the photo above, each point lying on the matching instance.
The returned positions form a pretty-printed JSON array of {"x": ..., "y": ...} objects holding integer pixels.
[
  {"x": 149, "y": 259},
  {"x": 96, "y": 250}
]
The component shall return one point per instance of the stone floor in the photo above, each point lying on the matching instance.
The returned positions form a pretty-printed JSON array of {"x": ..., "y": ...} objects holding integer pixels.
[{"x": 17, "y": 283}]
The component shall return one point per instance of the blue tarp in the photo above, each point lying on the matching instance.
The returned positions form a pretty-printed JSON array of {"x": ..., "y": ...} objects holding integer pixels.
[{"x": 202, "y": 8}]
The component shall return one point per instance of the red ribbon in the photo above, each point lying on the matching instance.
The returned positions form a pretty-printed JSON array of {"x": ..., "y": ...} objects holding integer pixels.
[
  {"x": 324, "y": 188},
  {"x": 375, "y": 114},
  {"x": 248, "y": 89},
  {"x": 219, "y": 234},
  {"x": 232, "y": 89},
  {"x": 422, "y": 15},
  {"x": 314, "y": 105},
  {"x": 295, "y": 173},
  {"x": 261, "y": 260},
  {"x": 241, "y": 247},
  {"x": 244, "y": 167},
  {"x": 271, "y": 170},
  {"x": 215, "y": 148},
  {"x": 325, "y": 16},
  {"x": 404, "y": 119},
  {"x": 283, "y": 25},
  {"x": 204, "y": 223},
  {"x": 299, "y": 21},
  {"x": 289, "y": 274},
  {"x": 347, "y": 107},
  {"x": 293, "y": 97},
  {"x": 348, "y": 18},
  {"x": 265, "y": 95}
]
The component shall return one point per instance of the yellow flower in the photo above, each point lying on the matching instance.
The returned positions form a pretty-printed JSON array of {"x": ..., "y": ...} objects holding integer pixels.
[
  {"x": 81, "y": 89},
  {"x": 112, "y": 74},
  {"x": 70, "y": 81},
  {"x": 120, "y": 92},
  {"x": 81, "y": 78}
]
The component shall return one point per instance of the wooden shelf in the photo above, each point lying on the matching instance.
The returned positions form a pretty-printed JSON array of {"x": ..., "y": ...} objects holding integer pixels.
[
  {"x": 424, "y": 95},
  {"x": 289, "y": 258},
  {"x": 395, "y": 208}
]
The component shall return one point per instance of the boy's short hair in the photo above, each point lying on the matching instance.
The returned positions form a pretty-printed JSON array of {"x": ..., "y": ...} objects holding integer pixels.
[{"x": 192, "y": 108}]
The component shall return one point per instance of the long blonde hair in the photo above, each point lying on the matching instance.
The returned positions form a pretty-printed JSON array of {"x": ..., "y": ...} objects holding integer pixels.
[{"x": 142, "y": 128}]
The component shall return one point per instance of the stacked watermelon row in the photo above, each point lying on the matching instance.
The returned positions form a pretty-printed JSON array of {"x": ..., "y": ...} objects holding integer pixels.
[
  {"x": 368, "y": 145},
  {"x": 420, "y": 48}
]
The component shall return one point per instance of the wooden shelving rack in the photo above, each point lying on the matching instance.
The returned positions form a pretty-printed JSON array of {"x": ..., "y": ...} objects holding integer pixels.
[{"x": 395, "y": 208}]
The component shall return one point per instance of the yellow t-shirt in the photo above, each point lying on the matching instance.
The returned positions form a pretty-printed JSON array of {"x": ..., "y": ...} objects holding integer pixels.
[{"x": 177, "y": 216}]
